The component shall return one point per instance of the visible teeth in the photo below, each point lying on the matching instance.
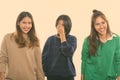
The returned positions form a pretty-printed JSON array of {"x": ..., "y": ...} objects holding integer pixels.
[{"x": 25, "y": 29}]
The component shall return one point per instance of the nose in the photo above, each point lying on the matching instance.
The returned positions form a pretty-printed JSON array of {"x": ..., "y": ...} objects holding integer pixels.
[
  {"x": 101, "y": 26},
  {"x": 27, "y": 24}
]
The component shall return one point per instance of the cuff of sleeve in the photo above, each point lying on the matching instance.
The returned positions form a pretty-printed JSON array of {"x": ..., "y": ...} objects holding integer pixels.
[
  {"x": 118, "y": 69},
  {"x": 118, "y": 74},
  {"x": 64, "y": 43}
]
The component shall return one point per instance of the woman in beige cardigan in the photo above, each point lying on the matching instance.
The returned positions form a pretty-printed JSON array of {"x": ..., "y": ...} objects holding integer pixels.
[{"x": 21, "y": 52}]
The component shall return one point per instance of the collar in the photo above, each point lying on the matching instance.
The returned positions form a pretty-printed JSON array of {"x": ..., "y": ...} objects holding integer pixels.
[{"x": 110, "y": 38}]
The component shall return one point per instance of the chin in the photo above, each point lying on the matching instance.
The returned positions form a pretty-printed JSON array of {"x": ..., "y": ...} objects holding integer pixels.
[
  {"x": 103, "y": 33},
  {"x": 25, "y": 32}
]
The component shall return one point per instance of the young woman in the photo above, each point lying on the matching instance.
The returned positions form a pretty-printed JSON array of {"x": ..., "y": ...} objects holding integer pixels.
[
  {"x": 21, "y": 51},
  {"x": 100, "y": 51},
  {"x": 58, "y": 52}
]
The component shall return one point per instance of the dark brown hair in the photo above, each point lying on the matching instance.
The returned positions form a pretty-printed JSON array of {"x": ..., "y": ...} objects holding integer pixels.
[
  {"x": 92, "y": 38},
  {"x": 31, "y": 34}
]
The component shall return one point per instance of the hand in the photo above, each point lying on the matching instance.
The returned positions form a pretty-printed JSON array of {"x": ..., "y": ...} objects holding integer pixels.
[
  {"x": 2, "y": 76},
  {"x": 61, "y": 33},
  {"x": 60, "y": 30},
  {"x": 118, "y": 78}
]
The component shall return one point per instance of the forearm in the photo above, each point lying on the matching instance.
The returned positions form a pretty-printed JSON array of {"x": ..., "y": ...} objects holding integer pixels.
[
  {"x": 39, "y": 72},
  {"x": 82, "y": 77},
  {"x": 39, "y": 69},
  {"x": 62, "y": 37},
  {"x": 2, "y": 76}
]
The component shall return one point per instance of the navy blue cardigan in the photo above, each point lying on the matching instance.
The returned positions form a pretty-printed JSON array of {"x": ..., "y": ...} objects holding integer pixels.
[{"x": 57, "y": 57}]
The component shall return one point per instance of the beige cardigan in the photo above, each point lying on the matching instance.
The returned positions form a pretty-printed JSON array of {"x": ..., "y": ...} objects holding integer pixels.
[{"x": 23, "y": 63}]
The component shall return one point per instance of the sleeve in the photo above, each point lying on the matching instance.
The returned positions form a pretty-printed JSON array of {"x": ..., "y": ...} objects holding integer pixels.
[
  {"x": 84, "y": 55},
  {"x": 117, "y": 58},
  {"x": 3, "y": 55},
  {"x": 38, "y": 58},
  {"x": 68, "y": 47},
  {"x": 44, "y": 56}
]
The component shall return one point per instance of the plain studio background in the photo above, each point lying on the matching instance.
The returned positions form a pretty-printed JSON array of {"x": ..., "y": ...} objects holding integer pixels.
[{"x": 45, "y": 13}]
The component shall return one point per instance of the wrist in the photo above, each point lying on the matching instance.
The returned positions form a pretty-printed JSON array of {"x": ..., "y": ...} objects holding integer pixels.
[
  {"x": 62, "y": 38},
  {"x": 2, "y": 76},
  {"x": 118, "y": 78}
]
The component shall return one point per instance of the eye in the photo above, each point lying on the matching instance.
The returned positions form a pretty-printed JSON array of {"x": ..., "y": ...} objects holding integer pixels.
[
  {"x": 103, "y": 22},
  {"x": 97, "y": 24},
  {"x": 29, "y": 22},
  {"x": 24, "y": 22}
]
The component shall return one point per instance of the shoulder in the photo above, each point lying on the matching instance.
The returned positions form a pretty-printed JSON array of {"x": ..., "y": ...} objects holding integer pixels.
[
  {"x": 8, "y": 35},
  {"x": 116, "y": 36},
  {"x": 116, "y": 39},
  {"x": 7, "y": 38},
  {"x": 86, "y": 39},
  {"x": 51, "y": 37},
  {"x": 72, "y": 36}
]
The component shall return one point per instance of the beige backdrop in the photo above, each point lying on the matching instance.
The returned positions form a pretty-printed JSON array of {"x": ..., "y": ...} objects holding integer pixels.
[{"x": 45, "y": 13}]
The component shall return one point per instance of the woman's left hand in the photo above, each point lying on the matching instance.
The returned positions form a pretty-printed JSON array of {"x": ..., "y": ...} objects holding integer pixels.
[{"x": 118, "y": 78}]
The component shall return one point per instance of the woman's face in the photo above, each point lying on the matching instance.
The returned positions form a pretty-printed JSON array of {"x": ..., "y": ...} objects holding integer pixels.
[
  {"x": 25, "y": 25},
  {"x": 100, "y": 26}
]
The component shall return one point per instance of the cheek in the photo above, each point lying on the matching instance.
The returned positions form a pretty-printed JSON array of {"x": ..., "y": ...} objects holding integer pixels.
[
  {"x": 30, "y": 27},
  {"x": 20, "y": 26},
  {"x": 96, "y": 28},
  {"x": 106, "y": 26}
]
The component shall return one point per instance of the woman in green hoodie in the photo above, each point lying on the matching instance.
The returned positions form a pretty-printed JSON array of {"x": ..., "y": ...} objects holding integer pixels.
[{"x": 100, "y": 51}]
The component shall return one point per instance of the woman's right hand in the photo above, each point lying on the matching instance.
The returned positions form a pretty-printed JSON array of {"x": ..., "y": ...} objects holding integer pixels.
[
  {"x": 2, "y": 76},
  {"x": 61, "y": 32}
]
